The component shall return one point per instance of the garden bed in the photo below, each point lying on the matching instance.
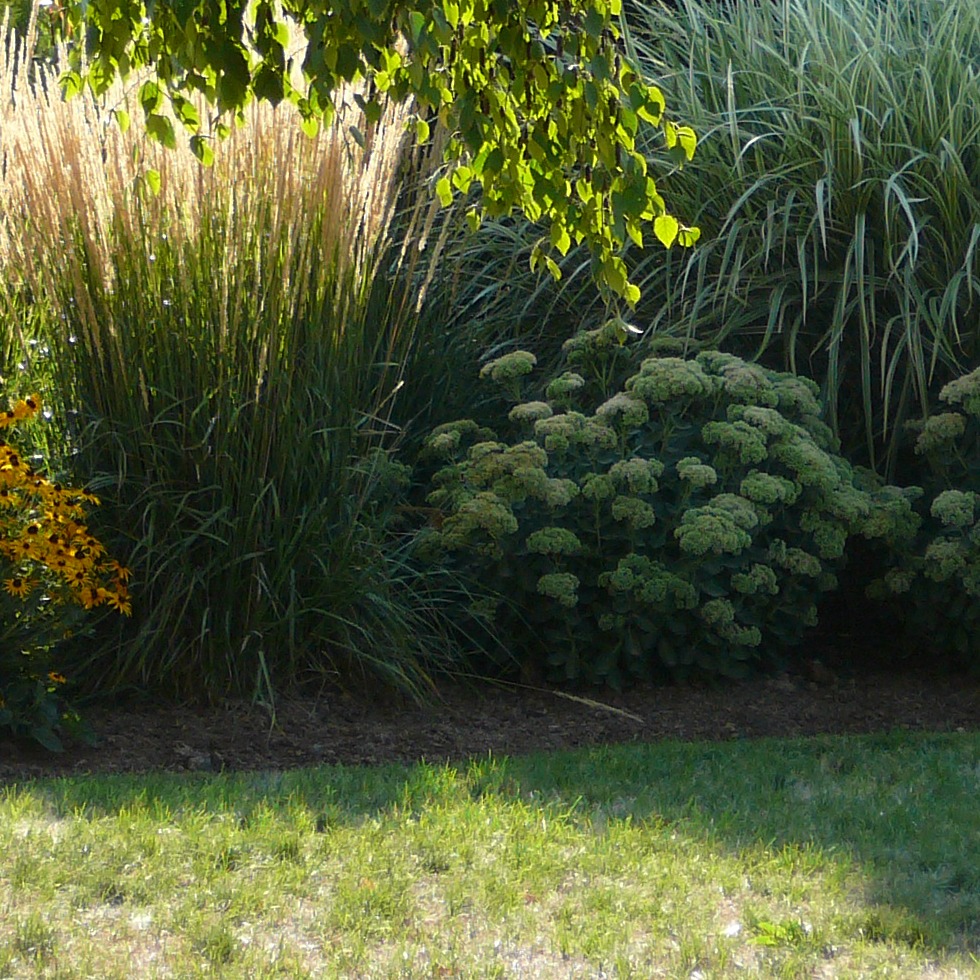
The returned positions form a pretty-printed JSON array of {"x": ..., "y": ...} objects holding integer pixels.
[{"x": 338, "y": 728}]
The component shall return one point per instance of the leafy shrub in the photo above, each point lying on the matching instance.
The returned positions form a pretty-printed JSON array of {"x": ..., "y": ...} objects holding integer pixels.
[
  {"x": 683, "y": 522},
  {"x": 53, "y": 569},
  {"x": 932, "y": 569}
]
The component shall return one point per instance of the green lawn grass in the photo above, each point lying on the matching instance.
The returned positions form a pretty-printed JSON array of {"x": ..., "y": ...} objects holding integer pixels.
[{"x": 829, "y": 857}]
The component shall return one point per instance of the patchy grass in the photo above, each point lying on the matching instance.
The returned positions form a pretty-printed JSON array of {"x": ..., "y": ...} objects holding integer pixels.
[{"x": 831, "y": 857}]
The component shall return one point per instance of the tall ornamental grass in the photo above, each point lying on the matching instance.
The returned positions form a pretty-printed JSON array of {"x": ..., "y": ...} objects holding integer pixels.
[
  {"x": 231, "y": 341},
  {"x": 837, "y": 184}
]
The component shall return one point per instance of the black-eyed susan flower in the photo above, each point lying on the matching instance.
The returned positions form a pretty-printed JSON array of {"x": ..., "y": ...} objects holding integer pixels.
[
  {"x": 18, "y": 587},
  {"x": 120, "y": 603},
  {"x": 57, "y": 678}
]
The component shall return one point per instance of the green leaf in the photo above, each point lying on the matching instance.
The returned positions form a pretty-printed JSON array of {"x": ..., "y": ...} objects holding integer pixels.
[
  {"x": 311, "y": 126},
  {"x": 201, "y": 148},
  {"x": 560, "y": 238},
  {"x": 416, "y": 25},
  {"x": 152, "y": 180},
  {"x": 150, "y": 96},
  {"x": 71, "y": 84},
  {"x": 162, "y": 129},
  {"x": 122, "y": 119},
  {"x": 666, "y": 228},
  {"x": 358, "y": 136},
  {"x": 186, "y": 112},
  {"x": 474, "y": 219},
  {"x": 686, "y": 237},
  {"x": 444, "y": 191},
  {"x": 421, "y": 130},
  {"x": 688, "y": 140}
]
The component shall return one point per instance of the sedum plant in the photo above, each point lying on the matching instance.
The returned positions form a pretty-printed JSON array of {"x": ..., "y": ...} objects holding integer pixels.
[
  {"x": 52, "y": 569},
  {"x": 683, "y": 521},
  {"x": 932, "y": 574}
]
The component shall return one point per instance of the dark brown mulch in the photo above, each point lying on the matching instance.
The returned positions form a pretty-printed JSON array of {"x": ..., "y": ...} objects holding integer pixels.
[{"x": 337, "y": 728}]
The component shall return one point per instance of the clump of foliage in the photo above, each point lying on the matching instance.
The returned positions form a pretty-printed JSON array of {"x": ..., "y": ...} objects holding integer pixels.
[
  {"x": 933, "y": 567},
  {"x": 683, "y": 522},
  {"x": 53, "y": 570},
  {"x": 541, "y": 108}
]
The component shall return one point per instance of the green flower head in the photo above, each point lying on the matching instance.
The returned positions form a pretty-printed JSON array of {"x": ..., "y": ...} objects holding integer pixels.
[
  {"x": 717, "y": 612},
  {"x": 939, "y": 432},
  {"x": 749, "y": 384},
  {"x": 530, "y": 412},
  {"x": 553, "y": 541},
  {"x": 510, "y": 367},
  {"x": 560, "y": 493},
  {"x": 809, "y": 464},
  {"x": 828, "y": 536},
  {"x": 559, "y": 431},
  {"x": 637, "y": 474},
  {"x": 691, "y": 470},
  {"x": 944, "y": 558},
  {"x": 564, "y": 386},
  {"x": 955, "y": 508},
  {"x": 764, "y": 488},
  {"x": 483, "y": 515},
  {"x": 633, "y": 511},
  {"x": 596, "y": 435},
  {"x": 444, "y": 440},
  {"x": 624, "y": 410},
  {"x": 630, "y": 572},
  {"x": 795, "y": 560},
  {"x": 560, "y": 586},
  {"x": 797, "y": 396},
  {"x": 768, "y": 421},
  {"x": 743, "y": 513},
  {"x": 711, "y": 530},
  {"x": 598, "y": 486},
  {"x": 964, "y": 391},
  {"x": 664, "y": 379},
  {"x": 587, "y": 342},
  {"x": 758, "y": 579},
  {"x": 738, "y": 439}
]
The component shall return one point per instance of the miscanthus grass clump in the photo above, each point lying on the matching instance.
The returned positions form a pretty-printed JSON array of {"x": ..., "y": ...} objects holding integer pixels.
[{"x": 685, "y": 521}]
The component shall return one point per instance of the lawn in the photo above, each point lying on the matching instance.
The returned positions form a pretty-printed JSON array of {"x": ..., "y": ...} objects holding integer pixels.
[{"x": 830, "y": 857}]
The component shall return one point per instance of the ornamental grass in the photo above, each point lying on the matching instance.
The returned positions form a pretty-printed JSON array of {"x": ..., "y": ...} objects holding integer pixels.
[
  {"x": 837, "y": 184},
  {"x": 230, "y": 342}
]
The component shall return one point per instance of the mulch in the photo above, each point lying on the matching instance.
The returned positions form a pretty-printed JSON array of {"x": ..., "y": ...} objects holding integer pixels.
[{"x": 340, "y": 728}]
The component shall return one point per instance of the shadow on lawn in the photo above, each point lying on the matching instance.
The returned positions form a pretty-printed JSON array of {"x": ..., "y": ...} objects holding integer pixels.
[{"x": 900, "y": 809}]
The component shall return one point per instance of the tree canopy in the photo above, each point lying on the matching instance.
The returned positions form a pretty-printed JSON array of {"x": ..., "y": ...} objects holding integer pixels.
[{"x": 541, "y": 104}]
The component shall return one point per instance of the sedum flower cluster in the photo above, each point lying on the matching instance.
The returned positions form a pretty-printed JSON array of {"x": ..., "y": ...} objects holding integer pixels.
[
  {"x": 931, "y": 575},
  {"x": 681, "y": 517}
]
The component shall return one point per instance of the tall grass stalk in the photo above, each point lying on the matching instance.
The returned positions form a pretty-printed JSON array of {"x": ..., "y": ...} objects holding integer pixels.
[
  {"x": 230, "y": 346},
  {"x": 837, "y": 184}
]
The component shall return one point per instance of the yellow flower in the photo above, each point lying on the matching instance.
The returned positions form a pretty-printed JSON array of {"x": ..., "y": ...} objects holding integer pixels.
[
  {"x": 119, "y": 602},
  {"x": 57, "y": 678},
  {"x": 18, "y": 587},
  {"x": 90, "y": 596}
]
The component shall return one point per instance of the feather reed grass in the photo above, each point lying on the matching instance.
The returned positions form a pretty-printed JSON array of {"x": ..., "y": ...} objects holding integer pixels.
[{"x": 231, "y": 347}]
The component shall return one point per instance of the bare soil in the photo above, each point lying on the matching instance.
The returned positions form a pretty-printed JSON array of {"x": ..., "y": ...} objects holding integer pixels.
[{"x": 338, "y": 728}]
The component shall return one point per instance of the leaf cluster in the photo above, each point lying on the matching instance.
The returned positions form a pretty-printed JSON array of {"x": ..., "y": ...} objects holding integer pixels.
[{"x": 542, "y": 108}]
